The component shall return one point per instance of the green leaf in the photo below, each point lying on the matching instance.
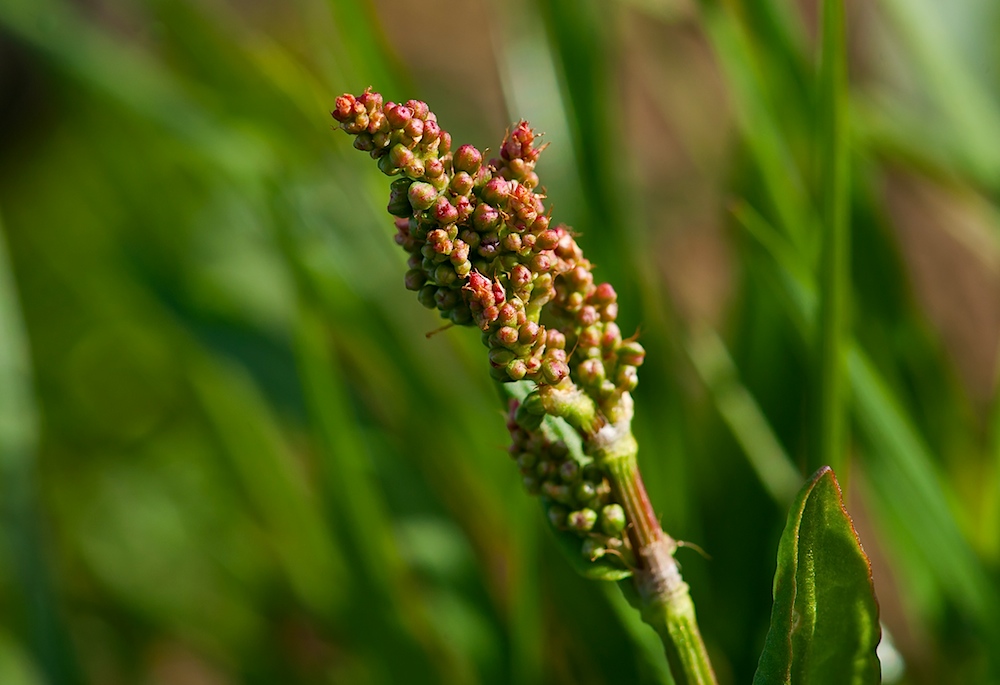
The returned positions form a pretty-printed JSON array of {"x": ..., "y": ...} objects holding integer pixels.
[{"x": 824, "y": 623}]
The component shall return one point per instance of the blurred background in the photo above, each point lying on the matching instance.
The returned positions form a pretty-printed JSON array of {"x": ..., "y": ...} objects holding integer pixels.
[{"x": 229, "y": 453}]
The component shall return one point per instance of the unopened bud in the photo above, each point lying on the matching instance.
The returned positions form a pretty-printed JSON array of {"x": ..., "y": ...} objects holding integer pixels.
[
  {"x": 485, "y": 218},
  {"x": 415, "y": 279},
  {"x": 631, "y": 353},
  {"x": 495, "y": 192},
  {"x": 612, "y": 519},
  {"x": 399, "y": 203},
  {"x": 398, "y": 116},
  {"x": 582, "y": 521},
  {"x": 468, "y": 159},
  {"x": 422, "y": 195}
]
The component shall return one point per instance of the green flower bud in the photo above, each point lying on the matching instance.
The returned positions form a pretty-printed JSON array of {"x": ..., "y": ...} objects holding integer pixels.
[
  {"x": 399, "y": 203},
  {"x": 414, "y": 169},
  {"x": 446, "y": 299},
  {"x": 627, "y": 378},
  {"x": 499, "y": 357},
  {"x": 591, "y": 372},
  {"x": 585, "y": 492},
  {"x": 582, "y": 521},
  {"x": 426, "y": 296},
  {"x": 415, "y": 279},
  {"x": 434, "y": 167},
  {"x": 554, "y": 371},
  {"x": 467, "y": 159},
  {"x": 517, "y": 369},
  {"x": 364, "y": 142},
  {"x": 386, "y": 166},
  {"x": 527, "y": 461},
  {"x": 631, "y": 353},
  {"x": 461, "y": 184},
  {"x": 399, "y": 155},
  {"x": 612, "y": 519}
]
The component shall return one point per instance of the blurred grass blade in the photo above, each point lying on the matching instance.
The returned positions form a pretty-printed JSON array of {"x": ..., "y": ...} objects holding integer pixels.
[
  {"x": 248, "y": 435},
  {"x": 824, "y": 624},
  {"x": 830, "y": 432},
  {"x": 34, "y": 601},
  {"x": 59, "y": 32},
  {"x": 744, "y": 417},
  {"x": 956, "y": 86},
  {"x": 900, "y": 469},
  {"x": 760, "y": 126}
]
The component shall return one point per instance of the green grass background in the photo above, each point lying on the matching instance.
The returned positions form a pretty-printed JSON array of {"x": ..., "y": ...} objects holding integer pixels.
[{"x": 228, "y": 452}]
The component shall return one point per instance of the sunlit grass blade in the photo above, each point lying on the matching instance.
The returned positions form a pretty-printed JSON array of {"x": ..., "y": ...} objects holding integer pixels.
[
  {"x": 744, "y": 417},
  {"x": 957, "y": 88}
]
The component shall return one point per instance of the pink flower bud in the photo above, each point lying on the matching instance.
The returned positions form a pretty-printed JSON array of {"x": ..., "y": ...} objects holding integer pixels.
[
  {"x": 398, "y": 116},
  {"x": 554, "y": 339},
  {"x": 587, "y": 316},
  {"x": 547, "y": 240},
  {"x": 603, "y": 294},
  {"x": 431, "y": 132},
  {"x": 496, "y": 192},
  {"x": 445, "y": 212},
  {"x": 507, "y": 336},
  {"x": 512, "y": 242},
  {"x": 465, "y": 208},
  {"x": 344, "y": 108},
  {"x": 419, "y": 108},
  {"x": 520, "y": 276},
  {"x": 414, "y": 128},
  {"x": 434, "y": 167}
]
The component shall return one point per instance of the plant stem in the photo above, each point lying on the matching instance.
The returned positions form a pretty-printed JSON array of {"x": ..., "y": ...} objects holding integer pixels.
[
  {"x": 835, "y": 254},
  {"x": 663, "y": 596}
]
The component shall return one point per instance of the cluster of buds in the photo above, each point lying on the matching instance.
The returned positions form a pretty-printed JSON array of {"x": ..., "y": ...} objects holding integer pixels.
[
  {"x": 484, "y": 252},
  {"x": 576, "y": 495}
]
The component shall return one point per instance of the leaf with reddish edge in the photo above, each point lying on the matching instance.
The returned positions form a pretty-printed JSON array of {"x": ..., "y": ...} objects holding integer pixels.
[{"x": 824, "y": 622}]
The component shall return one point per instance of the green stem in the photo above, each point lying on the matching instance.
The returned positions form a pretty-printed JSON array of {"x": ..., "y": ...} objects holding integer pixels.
[
  {"x": 835, "y": 255},
  {"x": 663, "y": 597}
]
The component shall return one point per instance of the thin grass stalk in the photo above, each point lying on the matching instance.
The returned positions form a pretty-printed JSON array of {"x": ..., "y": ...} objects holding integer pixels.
[{"x": 831, "y": 405}]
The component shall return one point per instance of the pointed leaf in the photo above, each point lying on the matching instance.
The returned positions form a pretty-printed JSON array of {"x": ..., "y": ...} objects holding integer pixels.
[{"x": 824, "y": 623}]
